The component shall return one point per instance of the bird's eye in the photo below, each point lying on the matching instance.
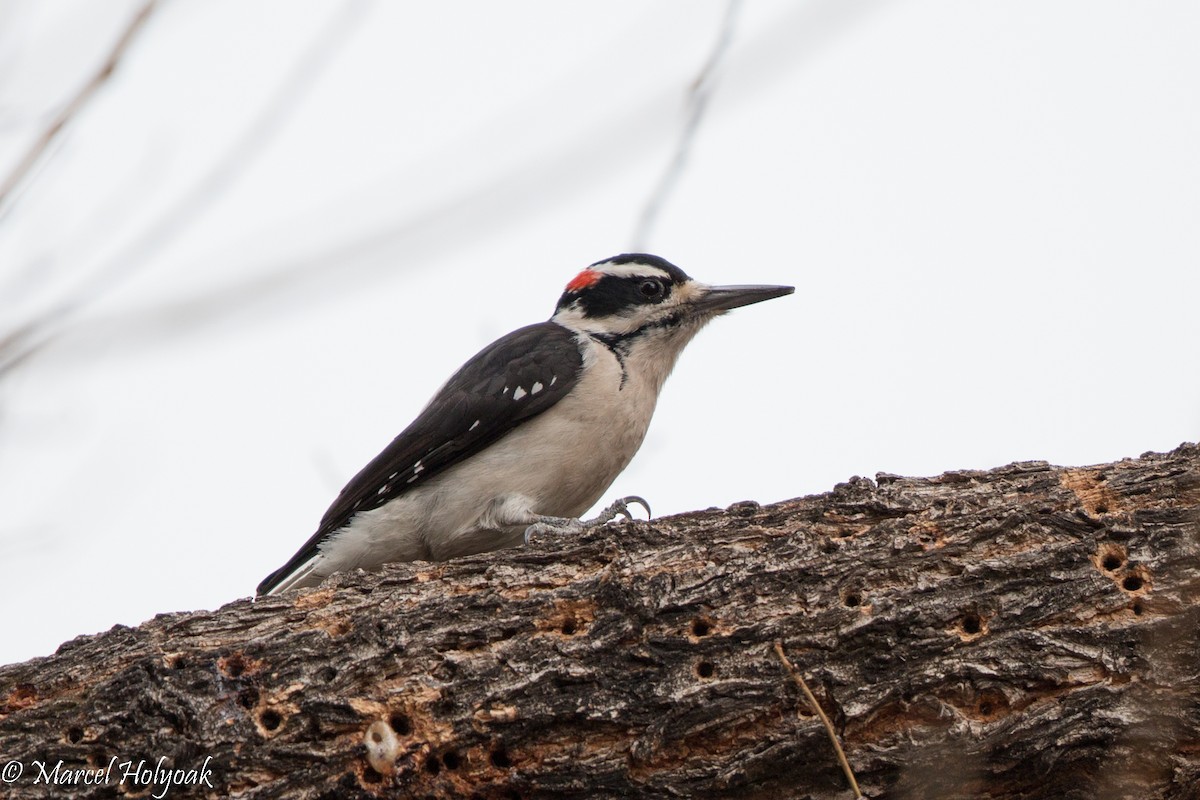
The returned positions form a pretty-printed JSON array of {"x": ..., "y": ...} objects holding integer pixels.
[{"x": 651, "y": 289}]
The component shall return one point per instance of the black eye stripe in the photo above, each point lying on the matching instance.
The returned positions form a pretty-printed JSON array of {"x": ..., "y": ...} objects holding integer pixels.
[
  {"x": 603, "y": 296},
  {"x": 613, "y": 294}
]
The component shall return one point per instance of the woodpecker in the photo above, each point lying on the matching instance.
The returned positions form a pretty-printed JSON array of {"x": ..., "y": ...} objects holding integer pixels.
[{"x": 529, "y": 433}]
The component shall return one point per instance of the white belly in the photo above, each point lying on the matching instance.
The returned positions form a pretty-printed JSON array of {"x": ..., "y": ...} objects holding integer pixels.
[{"x": 557, "y": 464}]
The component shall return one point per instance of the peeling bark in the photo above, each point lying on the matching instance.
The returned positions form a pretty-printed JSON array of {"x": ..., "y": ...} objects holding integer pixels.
[{"x": 1024, "y": 632}]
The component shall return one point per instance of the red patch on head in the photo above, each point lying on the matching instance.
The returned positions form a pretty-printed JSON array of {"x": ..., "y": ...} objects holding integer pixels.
[{"x": 583, "y": 280}]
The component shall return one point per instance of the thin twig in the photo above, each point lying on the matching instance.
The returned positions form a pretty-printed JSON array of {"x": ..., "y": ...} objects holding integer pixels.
[
  {"x": 701, "y": 90},
  {"x": 73, "y": 107},
  {"x": 18, "y": 346},
  {"x": 837, "y": 746}
]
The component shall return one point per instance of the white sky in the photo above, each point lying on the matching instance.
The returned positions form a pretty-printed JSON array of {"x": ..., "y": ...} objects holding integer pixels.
[{"x": 285, "y": 223}]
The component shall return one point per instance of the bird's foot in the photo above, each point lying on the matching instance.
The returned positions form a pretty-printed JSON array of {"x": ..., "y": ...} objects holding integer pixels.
[
  {"x": 562, "y": 525},
  {"x": 618, "y": 508}
]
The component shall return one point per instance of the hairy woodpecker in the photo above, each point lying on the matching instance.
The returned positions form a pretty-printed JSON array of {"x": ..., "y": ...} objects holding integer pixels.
[{"x": 529, "y": 433}]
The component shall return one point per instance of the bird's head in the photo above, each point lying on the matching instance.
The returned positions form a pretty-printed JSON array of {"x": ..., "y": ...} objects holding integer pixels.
[{"x": 643, "y": 295}]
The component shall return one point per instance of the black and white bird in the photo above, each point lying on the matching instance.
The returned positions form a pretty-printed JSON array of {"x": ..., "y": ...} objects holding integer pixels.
[{"x": 529, "y": 433}]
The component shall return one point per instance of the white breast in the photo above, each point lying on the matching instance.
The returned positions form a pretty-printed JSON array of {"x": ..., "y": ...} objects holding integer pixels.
[
  {"x": 564, "y": 459},
  {"x": 557, "y": 464}
]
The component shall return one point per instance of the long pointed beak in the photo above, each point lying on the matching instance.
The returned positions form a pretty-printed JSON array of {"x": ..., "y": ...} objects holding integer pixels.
[{"x": 723, "y": 298}]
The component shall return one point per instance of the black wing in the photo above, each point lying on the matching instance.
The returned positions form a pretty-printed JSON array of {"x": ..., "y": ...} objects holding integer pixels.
[{"x": 514, "y": 378}]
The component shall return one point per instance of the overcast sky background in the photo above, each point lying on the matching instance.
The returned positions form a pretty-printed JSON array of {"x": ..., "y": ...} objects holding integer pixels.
[{"x": 258, "y": 249}]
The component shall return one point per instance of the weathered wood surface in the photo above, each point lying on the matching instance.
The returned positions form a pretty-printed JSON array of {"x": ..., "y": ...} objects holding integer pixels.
[{"x": 1026, "y": 632}]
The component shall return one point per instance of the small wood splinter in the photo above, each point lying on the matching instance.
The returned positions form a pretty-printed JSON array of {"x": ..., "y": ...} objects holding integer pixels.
[{"x": 812, "y": 700}]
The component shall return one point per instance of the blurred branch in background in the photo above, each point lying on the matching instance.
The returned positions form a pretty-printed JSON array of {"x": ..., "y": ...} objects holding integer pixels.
[
  {"x": 698, "y": 95},
  {"x": 521, "y": 189},
  {"x": 41, "y": 145},
  {"x": 18, "y": 345}
]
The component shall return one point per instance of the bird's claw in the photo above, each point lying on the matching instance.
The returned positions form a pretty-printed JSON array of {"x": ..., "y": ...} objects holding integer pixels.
[
  {"x": 625, "y": 502},
  {"x": 620, "y": 508}
]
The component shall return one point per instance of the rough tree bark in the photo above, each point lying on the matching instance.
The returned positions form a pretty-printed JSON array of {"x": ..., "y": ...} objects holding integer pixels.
[{"x": 1028, "y": 632}]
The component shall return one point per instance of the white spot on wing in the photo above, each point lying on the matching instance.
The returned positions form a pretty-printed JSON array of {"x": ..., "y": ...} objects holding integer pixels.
[
  {"x": 553, "y": 378},
  {"x": 537, "y": 387},
  {"x": 474, "y": 425},
  {"x": 519, "y": 393},
  {"x": 413, "y": 478}
]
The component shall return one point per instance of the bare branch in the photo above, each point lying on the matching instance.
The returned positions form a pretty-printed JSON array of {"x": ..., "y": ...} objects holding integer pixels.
[
  {"x": 1023, "y": 633},
  {"x": 699, "y": 94},
  {"x": 25, "y": 341},
  {"x": 69, "y": 111}
]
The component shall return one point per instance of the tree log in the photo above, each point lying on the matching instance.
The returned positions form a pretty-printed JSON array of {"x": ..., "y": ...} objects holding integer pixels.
[{"x": 1024, "y": 632}]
